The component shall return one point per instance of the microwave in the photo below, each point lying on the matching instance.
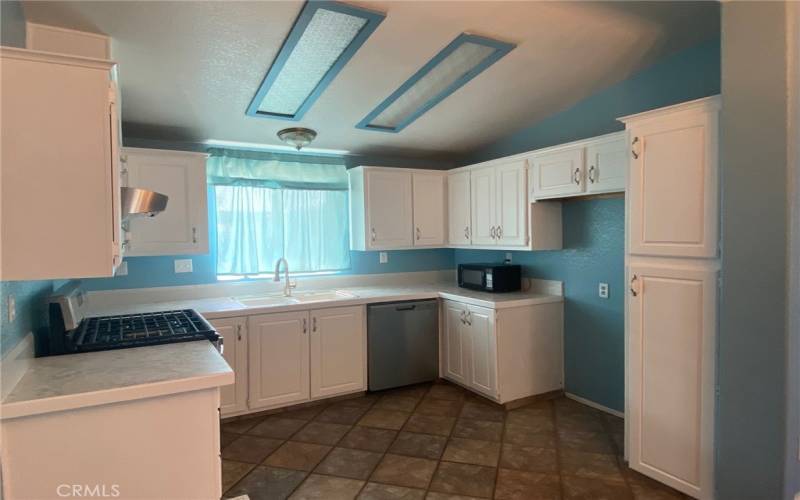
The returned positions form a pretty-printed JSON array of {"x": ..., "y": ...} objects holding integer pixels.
[{"x": 490, "y": 277}]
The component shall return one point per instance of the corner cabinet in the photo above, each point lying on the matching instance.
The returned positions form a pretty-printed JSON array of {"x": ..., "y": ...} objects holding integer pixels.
[
  {"x": 183, "y": 227},
  {"x": 60, "y": 208}
]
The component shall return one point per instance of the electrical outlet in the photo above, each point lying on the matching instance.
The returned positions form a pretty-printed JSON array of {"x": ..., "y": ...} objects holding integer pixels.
[
  {"x": 602, "y": 290},
  {"x": 122, "y": 270},
  {"x": 383, "y": 257},
  {"x": 12, "y": 308},
  {"x": 508, "y": 257},
  {"x": 183, "y": 266}
]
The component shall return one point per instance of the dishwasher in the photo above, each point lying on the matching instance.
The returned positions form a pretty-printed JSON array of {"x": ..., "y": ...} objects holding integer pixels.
[{"x": 402, "y": 343}]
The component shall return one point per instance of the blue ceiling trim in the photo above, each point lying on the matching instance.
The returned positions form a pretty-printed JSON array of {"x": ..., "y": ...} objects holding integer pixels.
[
  {"x": 373, "y": 20},
  {"x": 501, "y": 49}
]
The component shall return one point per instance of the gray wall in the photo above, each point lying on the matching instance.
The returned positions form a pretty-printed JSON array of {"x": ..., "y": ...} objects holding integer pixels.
[
  {"x": 12, "y": 24},
  {"x": 751, "y": 371}
]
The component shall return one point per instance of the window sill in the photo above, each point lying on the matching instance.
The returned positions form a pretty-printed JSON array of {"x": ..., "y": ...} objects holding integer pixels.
[{"x": 269, "y": 276}]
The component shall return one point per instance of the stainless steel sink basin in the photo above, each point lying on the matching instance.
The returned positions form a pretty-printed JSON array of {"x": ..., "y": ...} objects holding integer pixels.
[{"x": 296, "y": 298}]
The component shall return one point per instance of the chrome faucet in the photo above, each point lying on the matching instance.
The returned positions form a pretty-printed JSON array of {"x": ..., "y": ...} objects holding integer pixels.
[{"x": 288, "y": 285}]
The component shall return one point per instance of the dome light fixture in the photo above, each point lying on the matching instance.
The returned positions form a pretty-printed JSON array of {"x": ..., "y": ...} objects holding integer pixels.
[{"x": 297, "y": 137}]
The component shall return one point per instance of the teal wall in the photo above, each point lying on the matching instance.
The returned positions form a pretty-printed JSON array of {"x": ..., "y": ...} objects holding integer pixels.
[
  {"x": 30, "y": 298},
  {"x": 594, "y": 229},
  {"x": 12, "y": 24}
]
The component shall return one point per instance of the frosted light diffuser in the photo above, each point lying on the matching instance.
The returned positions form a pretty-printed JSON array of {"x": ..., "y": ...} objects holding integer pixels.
[
  {"x": 462, "y": 60},
  {"x": 324, "y": 37}
]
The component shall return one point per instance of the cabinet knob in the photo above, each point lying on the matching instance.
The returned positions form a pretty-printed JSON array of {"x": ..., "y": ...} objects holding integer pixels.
[
  {"x": 493, "y": 233},
  {"x": 372, "y": 234},
  {"x": 576, "y": 176},
  {"x": 635, "y": 151},
  {"x": 314, "y": 324},
  {"x": 239, "y": 333},
  {"x": 499, "y": 232},
  {"x": 305, "y": 326},
  {"x": 634, "y": 287},
  {"x": 194, "y": 235},
  {"x": 418, "y": 233},
  {"x": 591, "y": 174},
  {"x": 466, "y": 232}
]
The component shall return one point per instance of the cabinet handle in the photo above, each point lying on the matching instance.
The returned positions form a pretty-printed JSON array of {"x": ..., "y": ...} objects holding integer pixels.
[
  {"x": 239, "y": 333},
  {"x": 466, "y": 232},
  {"x": 576, "y": 176},
  {"x": 634, "y": 290},
  {"x": 499, "y": 232},
  {"x": 314, "y": 324},
  {"x": 305, "y": 326},
  {"x": 635, "y": 151},
  {"x": 591, "y": 174},
  {"x": 493, "y": 233},
  {"x": 418, "y": 233},
  {"x": 372, "y": 233},
  {"x": 468, "y": 318},
  {"x": 463, "y": 317},
  {"x": 194, "y": 235}
]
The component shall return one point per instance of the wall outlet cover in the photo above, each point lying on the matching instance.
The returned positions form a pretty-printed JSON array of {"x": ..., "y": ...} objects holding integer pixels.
[
  {"x": 602, "y": 290},
  {"x": 183, "y": 265},
  {"x": 12, "y": 308},
  {"x": 383, "y": 257},
  {"x": 508, "y": 257}
]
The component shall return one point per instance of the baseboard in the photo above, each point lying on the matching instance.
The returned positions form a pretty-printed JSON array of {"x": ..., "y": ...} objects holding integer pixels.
[{"x": 596, "y": 406}]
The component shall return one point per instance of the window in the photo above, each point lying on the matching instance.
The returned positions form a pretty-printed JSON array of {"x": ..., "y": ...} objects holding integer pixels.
[{"x": 273, "y": 208}]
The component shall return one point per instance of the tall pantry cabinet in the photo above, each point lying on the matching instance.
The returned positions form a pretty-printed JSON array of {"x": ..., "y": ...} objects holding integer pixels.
[{"x": 672, "y": 264}]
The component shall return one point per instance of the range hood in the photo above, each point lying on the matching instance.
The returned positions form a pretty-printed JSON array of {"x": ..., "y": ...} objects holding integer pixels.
[{"x": 142, "y": 202}]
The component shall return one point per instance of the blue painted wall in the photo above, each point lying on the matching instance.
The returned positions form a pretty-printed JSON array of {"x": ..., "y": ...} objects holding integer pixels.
[
  {"x": 594, "y": 229},
  {"x": 30, "y": 306},
  {"x": 12, "y": 24}
]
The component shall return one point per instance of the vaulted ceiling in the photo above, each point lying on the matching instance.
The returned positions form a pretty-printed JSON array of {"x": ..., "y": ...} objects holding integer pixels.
[{"x": 188, "y": 70}]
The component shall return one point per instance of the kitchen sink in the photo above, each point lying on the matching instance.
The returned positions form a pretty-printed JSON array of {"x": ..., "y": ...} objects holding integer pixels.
[
  {"x": 322, "y": 296},
  {"x": 296, "y": 298},
  {"x": 266, "y": 300}
]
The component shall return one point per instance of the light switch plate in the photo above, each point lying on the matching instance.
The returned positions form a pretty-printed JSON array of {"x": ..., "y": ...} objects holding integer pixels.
[
  {"x": 602, "y": 290},
  {"x": 383, "y": 257},
  {"x": 12, "y": 308},
  {"x": 183, "y": 266}
]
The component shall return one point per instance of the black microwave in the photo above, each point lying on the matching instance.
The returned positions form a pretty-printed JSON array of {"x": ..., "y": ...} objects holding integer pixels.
[{"x": 490, "y": 277}]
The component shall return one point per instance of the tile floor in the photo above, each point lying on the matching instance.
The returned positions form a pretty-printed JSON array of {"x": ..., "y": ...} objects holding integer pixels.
[{"x": 435, "y": 442}]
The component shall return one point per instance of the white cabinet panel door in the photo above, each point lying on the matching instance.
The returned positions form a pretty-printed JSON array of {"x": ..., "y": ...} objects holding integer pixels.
[
  {"x": 456, "y": 342},
  {"x": 557, "y": 174},
  {"x": 278, "y": 361},
  {"x": 673, "y": 186},
  {"x": 338, "y": 351},
  {"x": 233, "y": 398},
  {"x": 483, "y": 350},
  {"x": 483, "y": 206},
  {"x": 606, "y": 166},
  {"x": 458, "y": 200},
  {"x": 429, "y": 209},
  {"x": 512, "y": 198},
  {"x": 183, "y": 227},
  {"x": 388, "y": 209},
  {"x": 671, "y": 375}
]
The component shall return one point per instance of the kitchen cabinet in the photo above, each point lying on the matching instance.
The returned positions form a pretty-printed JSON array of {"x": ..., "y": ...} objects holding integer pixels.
[
  {"x": 606, "y": 165},
  {"x": 557, "y": 174},
  {"x": 504, "y": 354},
  {"x": 60, "y": 198},
  {"x": 338, "y": 351},
  {"x": 458, "y": 213},
  {"x": 499, "y": 205},
  {"x": 233, "y": 398},
  {"x": 429, "y": 195},
  {"x": 483, "y": 206},
  {"x": 182, "y": 228}
]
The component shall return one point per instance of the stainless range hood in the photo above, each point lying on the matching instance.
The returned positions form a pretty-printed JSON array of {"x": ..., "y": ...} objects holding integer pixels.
[{"x": 142, "y": 202}]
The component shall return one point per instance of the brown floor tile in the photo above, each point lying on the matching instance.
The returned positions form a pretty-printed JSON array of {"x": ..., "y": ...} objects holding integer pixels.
[
  {"x": 346, "y": 415},
  {"x": 241, "y": 425},
  {"x": 376, "y": 491},
  {"x": 645, "y": 488},
  {"x": 277, "y": 427},
  {"x": 594, "y": 489},
  {"x": 590, "y": 465},
  {"x": 614, "y": 424},
  {"x": 446, "y": 391},
  {"x": 384, "y": 419},
  {"x": 464, "y": 479},
  {"x": 592, "y": 442},
  {"x": 529, "y": 458},
  {"x": 346, "y": 462},
  {"x": 250, "y": 449},
  {"x": 268, "y": 483},
  {"x": 399, "y": 470},
  {"x": 298, "y": 456},
  {"x": 419, "y": 445},
  {"x": 399, "y": 403},
  {"x": 526, "y": 436},
  {"x": 439, "y": 407},
  {"x": 321, "y": 433},
  {"x": 327, "y": 488},
  {"x": 232, "y": 472},
  {"x": 523, "y": 485},
  {"x": 226, "y": 438},
  {"x": 566, "y": 406},
  {"x": 413, "y": 391},
  {"x": 430, "y": 424},
  {"x": 472, "y": 451},
  {"x": 478, "y": 429},
  {"x": 479, "y": 411},
  {"x": 580, "y": 422},
  {"x": 368, "y": 438},
  {"x": 364, "y": 402},
  {"x": 304, "y": 413},
  {"x": 537, "y": 420},
  {"x": 435, "y": 495}
]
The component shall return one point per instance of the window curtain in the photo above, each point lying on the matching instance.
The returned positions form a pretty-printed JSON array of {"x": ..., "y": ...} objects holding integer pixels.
[{"x": 271, "y": 205}]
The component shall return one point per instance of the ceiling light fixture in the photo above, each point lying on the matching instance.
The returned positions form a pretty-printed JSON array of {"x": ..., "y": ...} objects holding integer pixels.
[
  {"x": 297, "y": 137},
  {"x": 461, "y": 61},
  {"x": 323, "y": 39}
]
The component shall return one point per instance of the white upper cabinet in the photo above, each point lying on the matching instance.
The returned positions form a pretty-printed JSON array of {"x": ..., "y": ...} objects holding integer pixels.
[
  {"x": 511, "y": 216},
  {"x": 483, "y": 206},
  {"x": 458, "y": 200},
  {"x": 59, "y": 205},
  {"x": 606, "y": 166},
  {"x": 557, "y": 174},
  {"x": 183, "y": 227},
  {"x": 673, "y": 181},
  {"x": 429, "y": 208}
]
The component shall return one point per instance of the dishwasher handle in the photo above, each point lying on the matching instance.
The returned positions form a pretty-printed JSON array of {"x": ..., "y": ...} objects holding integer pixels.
[{"x": 406, "y": 308}]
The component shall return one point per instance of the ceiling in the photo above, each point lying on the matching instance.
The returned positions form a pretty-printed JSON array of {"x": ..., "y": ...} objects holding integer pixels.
[{"x": 188, "y": 70}]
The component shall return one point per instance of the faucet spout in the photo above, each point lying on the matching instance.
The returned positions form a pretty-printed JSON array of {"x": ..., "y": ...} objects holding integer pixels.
[{"x": 288, "y": 285}]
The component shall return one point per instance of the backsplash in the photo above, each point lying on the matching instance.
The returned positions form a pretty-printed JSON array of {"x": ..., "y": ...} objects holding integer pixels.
[{"x": 31, "y": 310}]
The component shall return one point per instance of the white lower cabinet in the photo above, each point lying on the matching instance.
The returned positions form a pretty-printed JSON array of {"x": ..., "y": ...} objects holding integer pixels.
[
  {"x": 233, "y": 398},
  {"x": 338, "y": 351},
  {"x": 455, "y": 342}
]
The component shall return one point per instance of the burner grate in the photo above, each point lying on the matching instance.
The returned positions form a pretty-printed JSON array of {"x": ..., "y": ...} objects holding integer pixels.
[{"x": 141, "y": 328}]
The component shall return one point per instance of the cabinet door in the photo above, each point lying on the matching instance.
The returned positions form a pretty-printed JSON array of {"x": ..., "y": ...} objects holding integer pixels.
[
  {"x": 483, "y": 206},
  {"x": 388, "y": 209},
  {"x": 606, "y": 164},
  {"x": 557, "y": 174},
  {"x": 512, "y": 200},
  {"x": 429, "y": 209},
  {"x": 233, "y": 398},
  {"x": 483, "y": 350},
  {"x": 455, "y": 342},
  {"x": 458, "y": 202},
  {"x": 338, "y": 351},
  {"x": 183, "y": 227},
  {"x": 673, "y": 186},
  {"x": 671, "y": 375},
  {"x": 278, "y": 360}
]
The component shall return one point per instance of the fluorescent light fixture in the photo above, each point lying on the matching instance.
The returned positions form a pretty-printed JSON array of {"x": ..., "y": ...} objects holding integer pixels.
[
  {"x": 461, "y": 61},
  {"x": 324, "y": 37}
]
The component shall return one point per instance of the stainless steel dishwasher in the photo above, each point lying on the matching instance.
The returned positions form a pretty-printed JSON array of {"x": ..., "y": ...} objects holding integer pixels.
[{"x": 403, "y": 343}]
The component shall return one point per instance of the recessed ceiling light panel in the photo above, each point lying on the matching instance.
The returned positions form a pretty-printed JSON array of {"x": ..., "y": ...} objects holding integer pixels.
[
  {"x": 324, "y": 37},
  {"x": 461, "y": 61}
]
